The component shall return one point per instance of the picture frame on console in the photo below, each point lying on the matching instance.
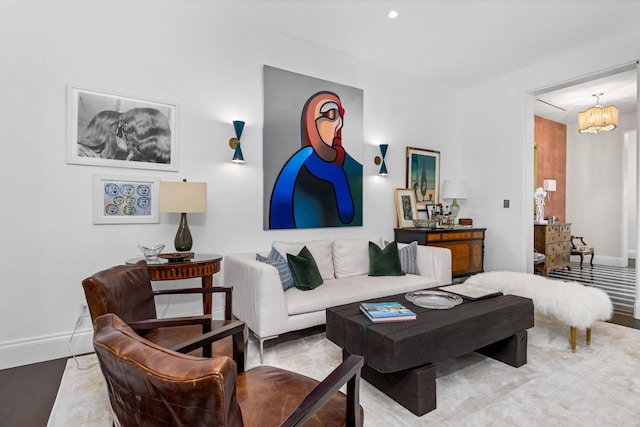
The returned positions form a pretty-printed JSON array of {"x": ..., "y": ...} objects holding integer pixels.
[
  {"x": 405, "y": 207},
  {"x": 126, "y": 199},
  {"x": 423, "y": 176}
]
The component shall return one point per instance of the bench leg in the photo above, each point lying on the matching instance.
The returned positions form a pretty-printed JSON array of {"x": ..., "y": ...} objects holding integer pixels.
[
  {"x": 588, "y": 336},
  {"x": 573, "y": 339}
]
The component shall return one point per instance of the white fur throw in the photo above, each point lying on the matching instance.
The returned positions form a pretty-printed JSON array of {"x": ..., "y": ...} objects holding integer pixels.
[{"x": 570, "y": 302}]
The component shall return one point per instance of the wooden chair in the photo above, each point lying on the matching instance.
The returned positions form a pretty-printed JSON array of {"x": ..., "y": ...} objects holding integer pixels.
[
  {"x": 581, "y": 249},
  {"x": 149, "y": 385},
  {"x": 126, "y": 291}
]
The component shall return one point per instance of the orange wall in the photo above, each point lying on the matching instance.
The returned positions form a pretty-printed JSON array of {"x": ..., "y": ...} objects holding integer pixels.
[{"x": 551, "y": 139}]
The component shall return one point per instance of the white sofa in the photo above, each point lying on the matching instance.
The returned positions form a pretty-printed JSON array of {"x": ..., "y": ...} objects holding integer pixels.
[{"x": 260, "y": 301}]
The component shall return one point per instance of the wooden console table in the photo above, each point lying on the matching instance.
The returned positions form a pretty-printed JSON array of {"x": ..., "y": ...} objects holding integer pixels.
[
  {"x": 466, "y": 245},
  {"x": 201, "y": 265},
  {"x": 554, "y": 241}
]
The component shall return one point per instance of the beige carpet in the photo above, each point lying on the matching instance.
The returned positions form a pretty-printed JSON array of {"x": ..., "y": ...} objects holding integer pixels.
[{"x": 597, "y": 386}]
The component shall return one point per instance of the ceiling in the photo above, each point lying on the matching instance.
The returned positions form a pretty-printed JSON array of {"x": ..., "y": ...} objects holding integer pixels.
[
  {"x": 563, "y": 105},
  {"x": 458, "y": 43}
]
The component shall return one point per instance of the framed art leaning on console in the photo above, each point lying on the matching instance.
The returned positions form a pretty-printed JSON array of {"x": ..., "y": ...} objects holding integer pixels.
[
  {"x": 423, "y": 176},
  {"x": 406, "y": 207}
]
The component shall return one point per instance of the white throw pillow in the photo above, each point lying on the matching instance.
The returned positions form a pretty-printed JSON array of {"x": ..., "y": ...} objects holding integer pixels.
[
  {"x": 320, "y": 249},
  {"x": 351, "y": 256}
]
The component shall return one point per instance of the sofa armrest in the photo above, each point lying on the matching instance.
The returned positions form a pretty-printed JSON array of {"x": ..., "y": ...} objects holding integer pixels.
[
  {"x": 258, "y": 297},
  {"x": 435, "y": 262}
]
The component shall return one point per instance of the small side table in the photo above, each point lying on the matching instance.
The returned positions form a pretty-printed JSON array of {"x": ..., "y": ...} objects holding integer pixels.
[{"x": 201, "y": 265}]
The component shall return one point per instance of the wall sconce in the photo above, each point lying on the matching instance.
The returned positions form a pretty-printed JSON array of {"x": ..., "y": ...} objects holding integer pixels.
[
  {"x": 549, "y": 185},
  {"x": 183, "y": 197},
  {"x": 234, "y": 143},
  {"x": 380, "y": 160}
]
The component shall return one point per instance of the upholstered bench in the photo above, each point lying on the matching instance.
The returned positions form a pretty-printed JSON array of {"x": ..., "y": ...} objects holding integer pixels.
[{"x": 572, "y": 303}]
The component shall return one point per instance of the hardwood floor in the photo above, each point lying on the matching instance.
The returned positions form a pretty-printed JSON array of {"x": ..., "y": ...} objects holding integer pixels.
[{"x": 27, "y": 393}]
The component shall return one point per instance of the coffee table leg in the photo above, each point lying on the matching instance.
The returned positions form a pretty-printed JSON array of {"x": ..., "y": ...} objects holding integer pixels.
[
  {"x": 511, "y": 350},
  {"x": 415, "y": 389}
]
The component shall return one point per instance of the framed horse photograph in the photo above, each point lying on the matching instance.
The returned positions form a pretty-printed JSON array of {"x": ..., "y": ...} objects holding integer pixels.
[{"x": 106, "y": 129}]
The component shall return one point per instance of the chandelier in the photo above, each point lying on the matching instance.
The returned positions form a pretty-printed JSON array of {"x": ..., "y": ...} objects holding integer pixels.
[{"x": 598, "y": 118}]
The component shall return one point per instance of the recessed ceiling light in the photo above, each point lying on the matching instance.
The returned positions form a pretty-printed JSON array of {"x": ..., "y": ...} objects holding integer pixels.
[{"x": 393, "y": 14}]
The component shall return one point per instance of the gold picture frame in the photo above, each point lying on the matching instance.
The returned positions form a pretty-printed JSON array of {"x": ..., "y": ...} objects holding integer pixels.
[{"x": 405, "y": 207}]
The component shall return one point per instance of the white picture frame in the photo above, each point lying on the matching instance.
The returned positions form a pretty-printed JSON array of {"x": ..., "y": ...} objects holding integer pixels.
[
  {"x": 106, "y": 129},
  {"x": 126, "y": 199},
  {"x": 406, "y": 207}
]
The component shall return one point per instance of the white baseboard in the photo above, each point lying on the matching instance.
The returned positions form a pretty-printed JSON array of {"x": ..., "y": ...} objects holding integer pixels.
[
  {"x": 55, "y": 346},
  {"x": 40, "y": 349}
]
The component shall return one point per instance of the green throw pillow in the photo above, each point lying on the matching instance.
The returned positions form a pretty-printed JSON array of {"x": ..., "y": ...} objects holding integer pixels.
[
  {"x": 306, "y": 275},
  {"x": 384, "y": 262}
]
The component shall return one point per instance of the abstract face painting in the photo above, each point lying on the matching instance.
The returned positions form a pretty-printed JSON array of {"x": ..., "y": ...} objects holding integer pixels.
[{"x": 317, "y": 182}]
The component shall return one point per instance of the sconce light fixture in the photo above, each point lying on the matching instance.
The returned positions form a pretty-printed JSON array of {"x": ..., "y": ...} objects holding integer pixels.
[
  {"x": 549, "y": 185},
  {"x": 183, "y": 197},
  {"x": 234, "y": 143},
  {"x": 380, "y": 160}
]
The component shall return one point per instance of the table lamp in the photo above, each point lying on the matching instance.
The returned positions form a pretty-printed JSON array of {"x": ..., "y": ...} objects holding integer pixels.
[
  {"x": 183, "y": 198},
  {"x": 454, "y": 189}
]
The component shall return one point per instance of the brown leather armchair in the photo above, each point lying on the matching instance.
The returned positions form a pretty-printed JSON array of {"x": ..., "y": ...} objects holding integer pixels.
[
  {"x": 126, "y": 291},
  {"x": 150, "y": 385}
]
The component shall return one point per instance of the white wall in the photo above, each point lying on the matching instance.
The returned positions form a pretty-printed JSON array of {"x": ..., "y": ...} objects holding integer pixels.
[
  {"x": 596, "y": 164},
  {"x": 208, "y": 58}
]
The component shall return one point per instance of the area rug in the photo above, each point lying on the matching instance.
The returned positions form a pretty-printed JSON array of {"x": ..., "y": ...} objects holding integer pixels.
[{"x": 598, "y": 385}]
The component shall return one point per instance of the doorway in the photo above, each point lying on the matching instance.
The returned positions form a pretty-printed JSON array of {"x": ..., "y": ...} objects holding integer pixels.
[{"x": 601, "y": 169}]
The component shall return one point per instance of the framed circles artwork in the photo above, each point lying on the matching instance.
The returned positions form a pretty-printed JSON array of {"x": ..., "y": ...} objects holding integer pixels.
[
  {"x": 125, "y": 200},
  {"x": 106, "y": 129},
  {"x": 423, "y": 176},
  {"x": 406, "y": 207}
]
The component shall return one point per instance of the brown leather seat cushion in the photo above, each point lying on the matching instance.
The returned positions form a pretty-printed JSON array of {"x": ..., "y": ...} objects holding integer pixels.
[
  {"x": 267, "y": 395},
  {"x": 168, "y": 337}
]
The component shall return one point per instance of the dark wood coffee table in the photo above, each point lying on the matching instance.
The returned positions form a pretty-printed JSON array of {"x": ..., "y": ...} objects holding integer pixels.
[{"x": 400, "y": 356}]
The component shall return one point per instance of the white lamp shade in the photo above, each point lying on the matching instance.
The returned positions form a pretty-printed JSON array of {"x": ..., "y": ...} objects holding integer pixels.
[
  {"x": 549, "y": 185},
  {"x": 183, "y": 197},
  {"x": 454, "y": 189}
]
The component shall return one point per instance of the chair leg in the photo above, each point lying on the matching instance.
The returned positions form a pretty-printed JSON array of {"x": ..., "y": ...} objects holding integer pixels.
[
  {"x": 588, "y": 336},
  {"x": 573, "y": 339},
  {"x": 581, "y": 259},
  {"x": 591, "y": 260}
]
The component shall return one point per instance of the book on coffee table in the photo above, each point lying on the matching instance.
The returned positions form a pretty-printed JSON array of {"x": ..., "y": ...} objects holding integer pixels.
[
  {"x": 386, "y": 311},
  {"x": 470, "y": 292}
]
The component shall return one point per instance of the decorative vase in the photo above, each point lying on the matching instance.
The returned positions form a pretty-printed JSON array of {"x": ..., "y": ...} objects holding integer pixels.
[
  {"x": 455, "y": 209},
  {"x": 183, "y": 241}
]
